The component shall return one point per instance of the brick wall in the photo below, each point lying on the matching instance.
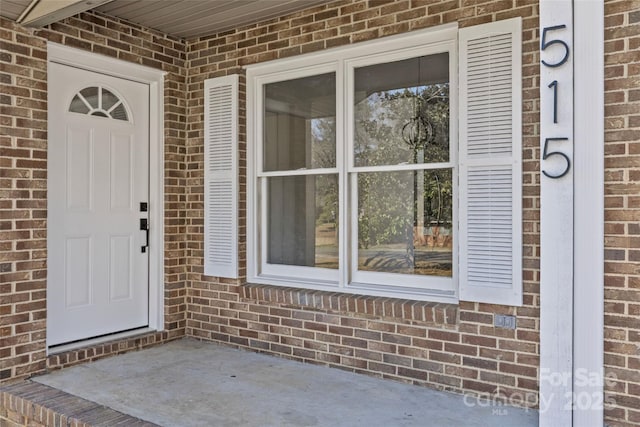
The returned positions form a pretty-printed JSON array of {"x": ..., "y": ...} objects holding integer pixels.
[
  {"x": 622, "y": 211},
  {"x": 444, "y": 346},
  {"x": 23, "y": 178}
]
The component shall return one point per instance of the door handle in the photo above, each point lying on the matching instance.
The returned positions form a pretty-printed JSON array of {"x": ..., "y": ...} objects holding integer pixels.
[{"x": 144, "y": 225}]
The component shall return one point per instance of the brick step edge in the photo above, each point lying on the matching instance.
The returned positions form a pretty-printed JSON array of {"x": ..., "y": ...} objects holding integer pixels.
[{"x": 32, "y": 404}]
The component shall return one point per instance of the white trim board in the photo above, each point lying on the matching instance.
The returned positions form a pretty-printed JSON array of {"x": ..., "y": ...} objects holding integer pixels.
[
  {"x": 556, "y": 214},
  {"x": 155, "y": 79},
  {"x": 572, "y": 217},
  {"x": 588, "y": 270}
]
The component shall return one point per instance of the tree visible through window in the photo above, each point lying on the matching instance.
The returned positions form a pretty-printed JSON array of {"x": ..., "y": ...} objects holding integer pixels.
[
  {"x": 400, "y": 179},
  {"x": 401, "y": 117},
  {"x": 390, "y": 168},
  {"x": 354, "y": 175}
]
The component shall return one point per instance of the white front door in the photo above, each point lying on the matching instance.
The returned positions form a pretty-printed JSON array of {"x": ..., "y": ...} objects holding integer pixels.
[{"x": 98, "y": 181}]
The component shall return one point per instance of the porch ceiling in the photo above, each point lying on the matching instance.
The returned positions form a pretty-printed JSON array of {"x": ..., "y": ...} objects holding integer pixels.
[
  {"x": 13, "y": 8},
  {"x": 185, "y": 18}
]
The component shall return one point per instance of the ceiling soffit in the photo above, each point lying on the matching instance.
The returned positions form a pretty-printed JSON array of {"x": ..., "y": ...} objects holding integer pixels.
[{"x": 185, "y": 19}]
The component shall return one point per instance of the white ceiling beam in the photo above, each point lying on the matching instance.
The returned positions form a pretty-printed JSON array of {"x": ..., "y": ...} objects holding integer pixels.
[{"x": 43, "y": 12}]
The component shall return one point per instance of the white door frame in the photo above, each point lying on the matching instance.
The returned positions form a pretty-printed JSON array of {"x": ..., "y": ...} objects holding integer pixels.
[{"x": 155, "y": 79}]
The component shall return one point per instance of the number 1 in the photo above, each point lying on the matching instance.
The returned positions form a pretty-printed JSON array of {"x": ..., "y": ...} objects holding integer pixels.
[{"x": 554, "y": 85}]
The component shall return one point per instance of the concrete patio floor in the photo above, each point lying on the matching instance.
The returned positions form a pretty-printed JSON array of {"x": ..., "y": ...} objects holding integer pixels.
[{"x": 193, "y": 383}]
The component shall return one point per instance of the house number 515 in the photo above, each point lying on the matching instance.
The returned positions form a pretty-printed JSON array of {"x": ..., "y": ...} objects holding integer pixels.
[{"x": 546, "y": 42}]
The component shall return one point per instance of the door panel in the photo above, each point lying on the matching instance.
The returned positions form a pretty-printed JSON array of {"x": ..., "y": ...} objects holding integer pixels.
[
  {"x": 79, "y": 180},
  {"x": 98, "y": 173},
  {"x": 78, "y": 278},
  {"x": 121, "y": 160},
  {"x": 120, "y": 268}
]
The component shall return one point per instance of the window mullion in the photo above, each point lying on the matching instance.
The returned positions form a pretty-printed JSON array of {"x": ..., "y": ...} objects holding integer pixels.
[
  {"x": 298, "y": 172},
  {"x": 403, "y": 167},
  {"x": 263, "y": 236},
  {"x": 353, "y": 224},
  {"x": 342, "y": 149}
]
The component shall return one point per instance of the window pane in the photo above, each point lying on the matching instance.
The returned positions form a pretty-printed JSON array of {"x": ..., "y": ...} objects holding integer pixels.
[
  {"x": 108, "y": 99},
  {"x": 404, "y": 222},
  {"x": 78, "y": 106},
  {"x": 91, "y": 95},
  {"x": 119, "y": 113},
  {"x": 401, "y": 112},
  {"x": 300, "y": 123},
  {"x": 302, "y": 223}
]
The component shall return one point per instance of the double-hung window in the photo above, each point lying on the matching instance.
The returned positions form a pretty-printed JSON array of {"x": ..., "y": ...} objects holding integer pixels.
[
  {"x": 297, "y": 186},
  {"x": 400, "y": 151},
  {"x": 389, "y": 167}
]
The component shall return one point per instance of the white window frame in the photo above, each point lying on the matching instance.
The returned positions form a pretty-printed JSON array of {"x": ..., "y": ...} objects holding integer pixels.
[
  {"x": 363, "y": 279},
  {"x": 342, "y": 61},
  {"x": 320, "y": 276}
]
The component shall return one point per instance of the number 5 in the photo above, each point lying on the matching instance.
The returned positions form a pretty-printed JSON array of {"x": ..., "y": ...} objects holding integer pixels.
[
  {"x": 545, "y": 44},
  {"x": 546, "y": 155}
]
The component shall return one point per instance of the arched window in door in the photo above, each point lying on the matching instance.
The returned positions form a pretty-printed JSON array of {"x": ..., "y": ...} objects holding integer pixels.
[{"x": 99, "y": 101}]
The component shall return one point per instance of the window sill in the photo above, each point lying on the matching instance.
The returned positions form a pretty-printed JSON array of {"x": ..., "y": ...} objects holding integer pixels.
[{"x": 418, "y": 312}]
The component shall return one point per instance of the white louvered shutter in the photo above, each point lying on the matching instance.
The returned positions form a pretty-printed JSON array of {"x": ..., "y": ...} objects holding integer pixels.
[
  {"x": 221, "y": 177},
  {"x": 490, "y": 163}
]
